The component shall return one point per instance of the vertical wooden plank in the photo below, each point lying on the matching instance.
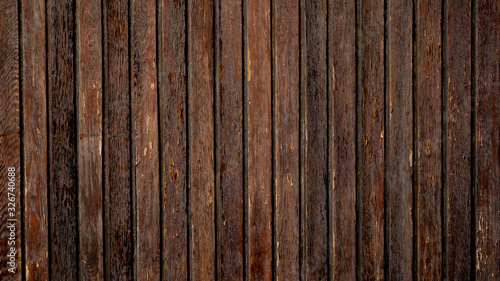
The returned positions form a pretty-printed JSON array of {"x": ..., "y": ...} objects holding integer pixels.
[
  {"x": 286, "y": 87},
  {"x": 457, "y": 181},
  {"x": 145, "y": 139},
  {"x": 35, "y": 139},
  {"x": 428, "y": 138},
  {"x": 201, "y": 140},
  {"x": 259, "y": 170},
  {"x": 10, "y": 144},
  {"x": 62, "y": 141},
  {"x": 371, "y": 138},
  {"x": 342, "y": 72},
  {"x": 488, "y": 139},
  {"x": 117, "y": 143},
  {"x": 399, "y": 114},
  {"x": 173, "y": 122},
  {"x": 89, "y": 91},
  {"x": 316, "y": 189},
  {"x": 230, "y": 132}
]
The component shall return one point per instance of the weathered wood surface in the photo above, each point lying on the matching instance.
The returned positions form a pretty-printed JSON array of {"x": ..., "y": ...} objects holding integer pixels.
[{"x": 251, "y": 139}]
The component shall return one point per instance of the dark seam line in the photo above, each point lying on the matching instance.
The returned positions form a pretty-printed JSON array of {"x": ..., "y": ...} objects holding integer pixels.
[
  {"x": 444, "y": 142},
  {"x": 188, "y": 179},
  {"x": 216, "y": 132},
  {"x": 21, "y": 138},
  {"x": 77, "y": 142},
  {"x": 415, "y": 144},
  {"x": 328, "y": 142},
  {"x": 105, "y": 204},
  {"x": 49, "y": 134},
  {"x": 245, "y": 140},
  {"x": 387, "y": 143},
  {"x": 159, "y": 87},
  {"x": 473, "y": 171},
  {"x": 302, "y": 92},
  {"x": 273, "y": 141},
  {"x": 358, "y": 193}
]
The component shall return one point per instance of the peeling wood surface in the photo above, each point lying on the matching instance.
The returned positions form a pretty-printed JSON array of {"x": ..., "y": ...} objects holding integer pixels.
[{"x": 251, "y": 139}]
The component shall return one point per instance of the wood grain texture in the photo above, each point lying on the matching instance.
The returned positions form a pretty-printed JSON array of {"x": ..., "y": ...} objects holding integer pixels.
[
  {"x": 145, "y": 140},
  {"x": 10, "y": 143},
  {"x": 201, "y": 140},
  {"x": 488, "y": 139},
  {"x": 316, "y": 189},
  {"x": 457, "y": 177},
  {"x": 399, "y": 118},
  {"x": 173, "y": 122},
  {"x": 89, "y": 91},
  {"x": 34, "y": 83},
  {"x": 286, "y": 110},
  {"x": 428, "y": 138},
  {"x": 371, "y": 133},
  {"x": 230, "y": 140},
  {"x": 259, "y": 168},
  {"x": 118, "y": 210},
  {"x": 62, "y": 141},
  {"x": 342, "y": 107}
]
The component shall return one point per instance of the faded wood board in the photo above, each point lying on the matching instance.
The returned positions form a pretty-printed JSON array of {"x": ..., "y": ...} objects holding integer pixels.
[{"x": 10, "y": 144}]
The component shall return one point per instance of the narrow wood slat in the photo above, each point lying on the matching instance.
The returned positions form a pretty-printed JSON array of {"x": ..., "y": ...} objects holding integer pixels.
[
  {"x": 145, "y": 139},
  {"x": 457, "y": 144},
  {"x": 371, "y": 138},
  {"x": 230, "y": 141},
  {"x": 89, "y": 91},
  {"x": 173, "y": 122},
  {"x": 316, "y": 189},
  {"x": 117, "y": 143},
  {"x": 201, "y": 140},
  {"x": 286, "y": 91},
  {"x": 428, "y": 137},
  {"x": 259, "y": 169},
  {"x": 10, "y": 144},
  {"x": 399, "y": 118},
  {"x": 35, "y": 140},
  {"x": 342, "y": 85},
  {"x": 487, "y": 142},
  {"x": 62, "y": 141}
]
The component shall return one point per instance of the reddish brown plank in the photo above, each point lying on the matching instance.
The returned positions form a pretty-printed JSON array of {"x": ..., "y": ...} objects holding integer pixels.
[
  {"x": 145, "y": 140},
  {"x": 316, "y": 189},
  {"x": 259, "y": 169},
  {"x": 371, "y": 139},
  {"x": 342, "y": 75},
  {"x": 286, "y": 110},
  {"x": 399, "y": 118},
  {"x": 35, "y": 140},
  {"x": 428, "y": 137},
  {"x": 201, "y": 140},
  {"x": 89, "y": 91},
  {"x": 173, "y": 122},
  {"x": 487, "y": 141},
  {"x": 62, "y": 141},
  {"x": 457, "y": 178},
  {"x": 230, "y": 140},
  {"x": 10, "y": 144},
  {"x": 117, "y": 158}
]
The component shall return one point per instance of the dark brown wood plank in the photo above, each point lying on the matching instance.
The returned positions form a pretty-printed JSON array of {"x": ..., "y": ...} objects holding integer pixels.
[
  {"x": 286, "y": 91},
  {"x": 259, "y": 167},
  {"x": 10, "y": 144},
  {"x": 62, "y": 141},
  {"x": 145, "y": 140},
  {"x": 399, "y": 118},
  {"x": 371, "y": 139},
  {"x": 487, "y": 141},
  {"x": 117, "y": 144},
  {"x": 35, "y": 140},
  {"x": 201, "y": 140},
  {"x": 428, "y": 137},
  {"x": 173, "y": 122},
  {"x": 316, "y": 189},
  {"x": 89, "y": 91},
  {"x": 230, "y": 140},
  {"x": 457, "y": 177},
  {"x": 342, "y": 72}
]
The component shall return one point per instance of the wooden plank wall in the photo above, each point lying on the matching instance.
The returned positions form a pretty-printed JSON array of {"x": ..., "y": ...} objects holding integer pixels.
[{"x": 249, "y": 140}]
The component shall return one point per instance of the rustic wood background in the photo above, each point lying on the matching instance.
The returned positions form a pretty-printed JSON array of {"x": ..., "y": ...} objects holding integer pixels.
[{"x": 251, "y": 139}]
